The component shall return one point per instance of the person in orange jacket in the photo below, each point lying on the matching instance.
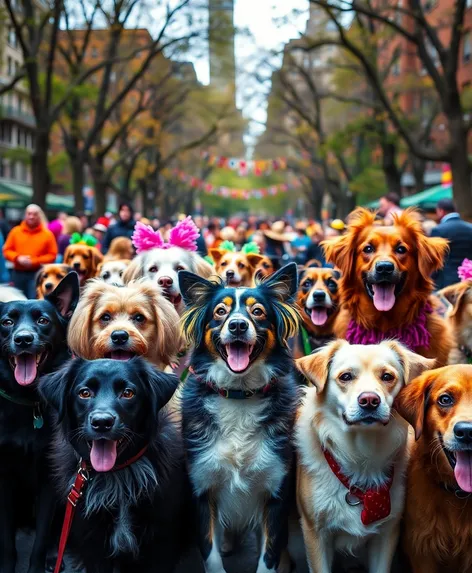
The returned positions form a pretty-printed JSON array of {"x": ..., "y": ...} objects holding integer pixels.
[{"x": 28, "y": 246}]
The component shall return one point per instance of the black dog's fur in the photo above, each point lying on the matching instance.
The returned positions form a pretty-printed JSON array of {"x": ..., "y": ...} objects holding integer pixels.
[
  {"x": 239, "y": 451},
  {"x": 37, "y": 326},
  {"x": 130, "y": 518}
]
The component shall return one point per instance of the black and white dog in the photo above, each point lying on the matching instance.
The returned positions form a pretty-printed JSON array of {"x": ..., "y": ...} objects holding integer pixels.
[
  {"x": 130, "y": 518},
  {"x": 238, "y": 410},
  {"x": 33, "y": 342}
]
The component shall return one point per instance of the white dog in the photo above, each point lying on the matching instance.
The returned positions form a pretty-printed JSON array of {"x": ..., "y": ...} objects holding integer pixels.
[
  {"x": 352, "y": 450},
  {"x": 111, "y": 272},
  {"x": 9, "y": 294}
]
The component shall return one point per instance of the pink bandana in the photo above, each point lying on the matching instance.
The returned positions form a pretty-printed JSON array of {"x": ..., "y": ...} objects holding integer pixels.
[
  {"x": 184, "y": 235},
  {"x": 413, "y": 336},
  {"x": 465, "y": 270}
]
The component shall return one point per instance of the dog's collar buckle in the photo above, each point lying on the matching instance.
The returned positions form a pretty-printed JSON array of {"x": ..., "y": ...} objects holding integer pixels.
[{"x": 352, "y": 499}]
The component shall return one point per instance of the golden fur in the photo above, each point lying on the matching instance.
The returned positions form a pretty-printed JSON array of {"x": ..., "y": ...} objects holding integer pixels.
[
  {"x": 264, "y": 268},
  {"x": 120, "y": 248},
  {"x": 424, "y": 255},
  {"x": 84, "y": 260},
  {"x": 242, "y": 266},
  {"x": 437, "y": 525},
  {"x": 459, "y": 318},
  {"x": 48, "y": 277},
  {"x": 157, "y": 337}
]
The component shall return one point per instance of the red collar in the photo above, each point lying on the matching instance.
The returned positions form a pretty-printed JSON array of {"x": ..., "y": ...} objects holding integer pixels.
[
  {"x": 376, "y": 501},
  {"x": 75, "y": 494},
  {"x": 231, "y": 394}
]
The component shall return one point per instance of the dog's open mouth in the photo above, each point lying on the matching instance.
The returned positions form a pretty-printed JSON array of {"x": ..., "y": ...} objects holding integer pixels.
[
  {"x": 384, "y": 293},
  {"x": 365, "y": 421},
  {"x": 120, "y": 355},
  {"x": 26, "y": 366},
  {"x": 175, "y": 299},
  {"x": 319, "y": 314},
  {"x": 238, "y": 355},
  {"x": 461, "y": 464},
  {"x": 103, "y": 454}
]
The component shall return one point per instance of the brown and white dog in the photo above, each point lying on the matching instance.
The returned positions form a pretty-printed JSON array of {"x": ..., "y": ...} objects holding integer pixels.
[
  {"x": 264, "y": 268},
  {"x": 122, "y": 322},
  {"x": 84, "y": 260},
  {"x": 459, "y": 317},
  {"x": 48, "y": 277},
  {"x": 236, "y": 269},
  {"x": 437, "y": 533},
  {"x": 112, "y": 271},
  {"x": 352, "y": 451}
]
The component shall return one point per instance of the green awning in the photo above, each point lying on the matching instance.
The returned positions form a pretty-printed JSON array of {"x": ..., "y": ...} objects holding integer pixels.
[
  {"x": 16, "y": 192},
  {"x": 427, "y": 199}
]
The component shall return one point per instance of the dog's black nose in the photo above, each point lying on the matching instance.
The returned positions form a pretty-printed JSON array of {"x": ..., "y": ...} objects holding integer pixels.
[
  {"x": 463, "y": 432},
  {"x": 77, "y": 266},
  {"x": 48, "y": 286},
  {"x": 23, "y": 338},
  {"x": 102, "y": 422},
  {"x": 230, "y": 274},
  {"x": 237, "y": 326},
  {"x": 119, "y": 337},
  {"x": 369, "y": 400},
  {"x": 319, "y": 296},
  {"x": 165, "y": 282},
  {"x": 384, "y": 267}
]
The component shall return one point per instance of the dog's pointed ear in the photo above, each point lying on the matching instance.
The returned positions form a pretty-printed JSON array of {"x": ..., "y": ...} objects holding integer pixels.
[
  {"x": 283, "y": 283},
  {"x": 195, "y": 289},
  {"x": 456, "y": 295},
  {"x": 66, "y": 295},
  {"x": 254, "y": 259},
  {"x": 413, "y": 364},
  {"x": 315, "y": 367},
  {"x": 54, "y": 388},
  {"x": 216, "y": 254},
  {"x": 412, "y": 401},
  {"x": 162, "y": 384}
]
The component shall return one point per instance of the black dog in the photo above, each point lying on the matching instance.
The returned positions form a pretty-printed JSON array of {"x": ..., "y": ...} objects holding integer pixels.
[
  {"x": 238, "y": 409},
  {"x": 33, "y": 342},
  {"x": 109, "y": 416}
]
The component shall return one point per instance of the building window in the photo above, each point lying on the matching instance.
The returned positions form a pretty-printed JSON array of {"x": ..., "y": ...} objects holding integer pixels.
[
  {"x": 396, "y": 68},
  {"x": 12, "y": 39},
  {"x": 9, "y": 66},
  {"x": 468, "y": 4},
  {"x": 2, "y": 167},
  {"x": 23, "y": 172},
  {"x": 18, "y": 136},
  {"x": 13, "y": 170},
  {"x": 466, "y": 48},
  {"x": 94, "y": 53},
  {"x": 20, "y": 104}
]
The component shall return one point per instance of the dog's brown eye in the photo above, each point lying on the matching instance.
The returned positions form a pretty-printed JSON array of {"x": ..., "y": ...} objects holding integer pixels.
[
  {"x": 85, "y": 393},
  {"x": 445, "y": 400},
  {"x": 224, "y": 264},
  {"x": 127, "y": 394},
  {"x": 387, "y": 377},
  {"x": 7, "y": 322},
  {"x": 139, "y": 317},
  {"x": 401, "y": 250},
  {"x": 43, "y": 320},
  {"x": 346, "y": 377},
  {"x": 368, "y": 249},
  {"x": 240, "y": 265},
  {"x": 180, "y": 268},
  {"x": 106, "y": 275},
  {"x": 221, "y": 311},
  {"x": 258, "y": 312},
  {"x": 105, "y": 317},
  {"x": 153, "y": 269}
]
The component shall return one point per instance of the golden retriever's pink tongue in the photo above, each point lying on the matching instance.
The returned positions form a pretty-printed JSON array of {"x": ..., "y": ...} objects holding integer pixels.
[
  {"x": 238, "y": 356},
  {"x": 319, "y": 316},
  {"x": 384, "y": 296},
  {"x": 26, "y": 369},
  {"x": 103, "y": 455},
  {"x": 463, "y": 470}
]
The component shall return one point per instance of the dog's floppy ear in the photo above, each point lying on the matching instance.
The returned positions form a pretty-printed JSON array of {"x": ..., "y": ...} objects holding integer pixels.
[
  {"x": 340, "y": 251},
  {"x": 202, "y": 267},
  {"x": 431, "y": 254},
  {"x": 315, "y": 367},
  {"x": 216, "y": 254},
  {"x": 162, "y": 385},
  {"x": 412, "y": 401},
  {"x": 254, "y": 259},
  {"x": 413, "y": 364},
  {"x": 456, "y": 295},
  {"x": 196, "y": 289},
  {"x": 96, "y": 255},
  {"x": 283, "y": 283},
  {"x": 37, "y": 277},
  {"x": 54, "y": 388},
  {"x": 66, "y": 295},
  {"x": 134, "y": 270}
]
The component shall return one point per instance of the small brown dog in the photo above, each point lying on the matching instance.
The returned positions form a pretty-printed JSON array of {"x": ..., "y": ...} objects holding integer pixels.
[
  {"x": 48, "y": 277},
  {"x": 438, "y": 510},
  {"x": 84, "y": 261},
  {"x": 460, "y": 320},
  {"x": 264, "y": 268},
  {"x": 122, "y": 322},
  {"x": 237, "y": 269},
  {"x": 120, "y": 248}
]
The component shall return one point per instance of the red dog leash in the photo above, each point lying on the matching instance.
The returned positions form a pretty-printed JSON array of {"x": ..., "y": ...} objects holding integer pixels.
[{"x": 75, "y": 494}]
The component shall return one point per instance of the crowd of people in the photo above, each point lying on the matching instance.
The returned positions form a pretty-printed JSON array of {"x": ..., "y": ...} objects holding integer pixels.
[{"x": 35, "y": 241}]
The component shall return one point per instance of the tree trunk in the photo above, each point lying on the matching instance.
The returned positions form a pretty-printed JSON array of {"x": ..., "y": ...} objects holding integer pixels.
[
  {"x": 316, "y": 199},
  {"x": 418, "y": 167},
  {"x": 390, "y": 169},
  {"x": 460, "y": 168},
  {"x": 40, "y": 169},
  {"x": 78, "y": 181},
  {"x": 100, "y": 186}
]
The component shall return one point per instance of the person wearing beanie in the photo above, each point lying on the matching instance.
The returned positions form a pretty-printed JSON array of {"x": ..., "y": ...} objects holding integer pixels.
[{"x": 124, "y": 227}]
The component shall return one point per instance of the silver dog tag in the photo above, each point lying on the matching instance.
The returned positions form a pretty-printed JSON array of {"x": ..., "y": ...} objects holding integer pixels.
[{"x": 352, "y": 500}]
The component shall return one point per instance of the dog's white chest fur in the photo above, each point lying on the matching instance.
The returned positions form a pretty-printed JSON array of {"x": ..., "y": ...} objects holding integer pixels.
[{"x": 237, "y": 463}]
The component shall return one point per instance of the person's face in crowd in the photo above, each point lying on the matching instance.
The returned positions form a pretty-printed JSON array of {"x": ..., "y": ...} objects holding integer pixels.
[
  {"x": 62, "y": 216},
  {"x": 156, "y": 224},
  {"x": 125, "y": 213},
  {"x": 384, "y": 206},
  {"x": 240, "y": 235},
  {"x": 330, "y": 232},
  {"x": 98, "y": 235},
  {"x": 32, "y": 217},
  {"x": 138, "y": 216},
  {"x": 440, "y": 213},
  {"x": 84, "y": 221}
]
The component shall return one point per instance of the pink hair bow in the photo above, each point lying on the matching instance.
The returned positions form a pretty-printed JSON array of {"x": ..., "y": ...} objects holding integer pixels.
[
  {"x": 465, "y": 270},
  {"x": 184, "y": 235}
]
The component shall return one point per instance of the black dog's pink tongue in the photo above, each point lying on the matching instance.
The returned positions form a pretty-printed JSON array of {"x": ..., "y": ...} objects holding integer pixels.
[
  {"x": 121, "y": 355},
  {"x": 463, "y": 470},
  {"x": 26, "y": 369},
  {"x": 319, "y": 316},
  {"x": 384, "y": 296},
  {"x": 238, "y": 356},
  {"x": 103, "y": 455}
]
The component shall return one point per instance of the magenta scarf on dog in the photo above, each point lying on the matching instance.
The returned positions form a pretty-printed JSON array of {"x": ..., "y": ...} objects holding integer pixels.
[{"x": 413, "y": 335}]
